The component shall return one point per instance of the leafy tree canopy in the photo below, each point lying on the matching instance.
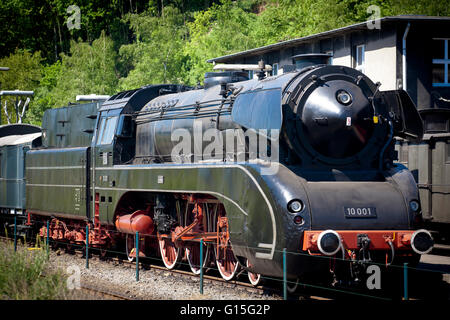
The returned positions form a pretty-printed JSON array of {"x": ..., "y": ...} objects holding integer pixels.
[{"x": 124, "y": 44}]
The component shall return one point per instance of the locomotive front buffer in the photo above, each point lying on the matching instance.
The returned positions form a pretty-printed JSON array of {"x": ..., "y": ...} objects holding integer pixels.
[{"x": 358, "y": 244}]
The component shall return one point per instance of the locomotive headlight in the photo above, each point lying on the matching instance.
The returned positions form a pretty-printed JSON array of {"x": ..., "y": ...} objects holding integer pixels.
[
  {"x": 414, "y": 205},
  {"x": 295, "y": 206},
  {"x": 343, "y": 97}
]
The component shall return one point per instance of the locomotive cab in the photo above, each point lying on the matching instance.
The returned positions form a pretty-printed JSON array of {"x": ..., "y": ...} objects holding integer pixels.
[{"x": 115, "y": 138}]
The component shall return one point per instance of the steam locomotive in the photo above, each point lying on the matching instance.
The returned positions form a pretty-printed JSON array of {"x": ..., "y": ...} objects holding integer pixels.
[{"x": 301, "y": 162}]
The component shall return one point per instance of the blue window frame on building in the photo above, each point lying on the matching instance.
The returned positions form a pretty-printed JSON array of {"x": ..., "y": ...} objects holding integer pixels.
[
  {"x": 360, "y": 57},
  {"x": 441, "y": 62}
]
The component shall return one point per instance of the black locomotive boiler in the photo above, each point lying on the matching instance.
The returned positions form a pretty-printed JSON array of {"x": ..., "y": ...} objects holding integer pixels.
[{"x": 180, "y": 165}]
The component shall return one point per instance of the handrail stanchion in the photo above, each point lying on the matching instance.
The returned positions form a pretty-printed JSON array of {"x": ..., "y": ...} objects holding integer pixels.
[
  {"x": 405, "y": 281},
  {"x": 15, "y": 231},
  {"x": 48, "y": 239},
  {"x": 87, "y": 246},
  {"x": 284, "y": 275},
  {"x": 137, "y": 255},
  {"x": 201, "y": 266}
]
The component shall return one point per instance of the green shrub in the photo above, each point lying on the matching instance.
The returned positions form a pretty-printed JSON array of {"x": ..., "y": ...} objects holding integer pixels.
[{"x": 23, "y": 275}]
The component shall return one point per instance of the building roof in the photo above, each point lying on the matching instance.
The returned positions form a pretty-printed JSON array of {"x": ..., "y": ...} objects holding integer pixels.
[{"x": 325, "y": 34}]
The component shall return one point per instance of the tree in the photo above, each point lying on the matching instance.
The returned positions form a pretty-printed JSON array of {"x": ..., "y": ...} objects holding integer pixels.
[
  {"x": 125, "y": 44},
  {"x": 156, "y": 56},
  {"x": 44, "y": 99},
  {"x": 220, "y": 30},
  {"x": 26, "y": 25},
  {"x": 89, "y": 68},
  {"x": 24, "y": 74}
]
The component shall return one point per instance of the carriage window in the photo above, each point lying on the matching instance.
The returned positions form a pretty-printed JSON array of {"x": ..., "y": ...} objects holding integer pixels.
[
  {"x": 107, "y": 130},
  {"x": 441, "y": 63}
]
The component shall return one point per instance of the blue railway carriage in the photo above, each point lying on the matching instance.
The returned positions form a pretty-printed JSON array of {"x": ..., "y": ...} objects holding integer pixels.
[{"x": 15, "y": 141}]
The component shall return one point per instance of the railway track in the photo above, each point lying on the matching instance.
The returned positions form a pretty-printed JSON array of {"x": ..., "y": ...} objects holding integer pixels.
[
  {"x": 103, "y": 293},
  {"x": 207, "y": 278},
  {"x": 271, "y": 287}
]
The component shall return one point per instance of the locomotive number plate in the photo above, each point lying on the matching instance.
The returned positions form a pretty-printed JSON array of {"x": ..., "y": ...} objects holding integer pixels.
[{"x": 360, "y": 212}]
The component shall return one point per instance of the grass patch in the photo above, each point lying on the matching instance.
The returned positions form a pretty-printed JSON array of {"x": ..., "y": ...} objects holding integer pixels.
[{"x": 23, "y": 275}]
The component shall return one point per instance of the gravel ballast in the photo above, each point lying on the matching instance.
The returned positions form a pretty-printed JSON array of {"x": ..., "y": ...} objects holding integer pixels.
[{"x": 153, "y": 284}]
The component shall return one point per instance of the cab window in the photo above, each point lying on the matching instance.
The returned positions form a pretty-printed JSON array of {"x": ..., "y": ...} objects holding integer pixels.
[{"x": 107, "y": 130}]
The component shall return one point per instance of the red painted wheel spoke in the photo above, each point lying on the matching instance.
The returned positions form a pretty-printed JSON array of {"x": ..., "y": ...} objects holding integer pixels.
[
  {"x": 193, "y": 257},
  {"x": 228, "y": 266},
  {"x": 169, "y": 253},
  {"x": 255, "y": 278}
]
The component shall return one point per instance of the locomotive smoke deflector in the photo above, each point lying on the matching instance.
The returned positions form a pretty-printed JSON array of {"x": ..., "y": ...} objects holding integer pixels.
[{"x": 406, "y": 119}]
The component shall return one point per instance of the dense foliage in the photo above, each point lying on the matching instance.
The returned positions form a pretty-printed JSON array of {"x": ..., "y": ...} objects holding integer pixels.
[
  {"x": 124, "y": 44},
  {"x": 24, "y": 275}
]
